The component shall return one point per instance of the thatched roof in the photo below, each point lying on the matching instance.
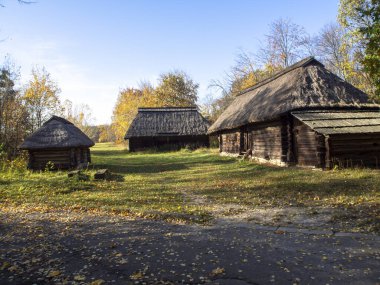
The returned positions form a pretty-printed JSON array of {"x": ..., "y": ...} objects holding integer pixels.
[
  {"x": 57, "y": 133},
  {"x": 304, "y": 85},
  {"x": 340, "y": 121},
  {"x": 168, "y": 121}
]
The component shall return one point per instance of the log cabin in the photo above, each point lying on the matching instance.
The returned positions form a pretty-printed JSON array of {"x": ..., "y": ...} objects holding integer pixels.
[
  {"x": 167, "y": 128},
  {"x": 304, "y": 115},
  {"x": 58, "y": 142}
]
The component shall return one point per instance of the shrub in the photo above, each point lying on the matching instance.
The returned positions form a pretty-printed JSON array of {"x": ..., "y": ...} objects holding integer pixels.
[{"x": 17, "y": 165}]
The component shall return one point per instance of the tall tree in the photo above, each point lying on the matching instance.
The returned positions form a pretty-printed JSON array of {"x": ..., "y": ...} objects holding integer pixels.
[
  {"x": 106, "y": 134},
  {"x": 333, "y": 49},
  {"x": 362, "y": 19},
  {"x": 341, "y": 56},
  {"x": 176, "y": 89},
  {"x": 41, "y": 97},
  {"x": 19, "y": 1},
  {"x": 127, "y": 104},
  {"x": 284, "y": 45},
  {"x": 371, "y": 35},
  {"x": 81, "y": 116},
  {"x": 13, "y": 115}
]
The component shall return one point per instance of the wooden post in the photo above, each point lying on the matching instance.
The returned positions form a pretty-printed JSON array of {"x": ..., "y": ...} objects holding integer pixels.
[
  {"x": 328, "y": 163},
  {"x": 85, "y": 158},
  {"x": 30, "y": 161},
  {"x": 321, "y": 150},
  {"x": 287, "y": 142},
  {"x": 72, "y": 157},
  {"x": 88, "y": 155}
]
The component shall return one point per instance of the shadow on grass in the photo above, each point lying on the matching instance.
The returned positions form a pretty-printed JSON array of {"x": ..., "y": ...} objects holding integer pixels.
[
  {"x": 278, "y": 191},
  {"x": 142, "y": 168},
  {"x": 4, "y": 182},
  {"x": 108, "y": 153},
  {"x": 116, "y": 177},
  {"x": 77, "y": 186}
]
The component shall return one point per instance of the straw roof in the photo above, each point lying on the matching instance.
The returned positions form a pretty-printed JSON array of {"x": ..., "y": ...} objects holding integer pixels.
[
  {"x": 304, "y": 85},
  {"x": 168, "y": 121},
  {"x": 57, "y": 133}
]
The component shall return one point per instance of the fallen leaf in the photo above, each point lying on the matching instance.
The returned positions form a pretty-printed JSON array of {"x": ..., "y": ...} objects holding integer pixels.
[
  {"x": 136, "y": 275},
  {"x": 79, "y": 278},
  {"x": 54, "y": 273},
  {"x": 97, "y": 282},
  {"x": 13, "y": 268},
  {"x": 5, "y": 265},
  {"x": 217, "y": 271}
]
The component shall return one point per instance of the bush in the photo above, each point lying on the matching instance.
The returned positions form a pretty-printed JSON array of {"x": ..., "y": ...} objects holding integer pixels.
[{"x": 19, "y": 164}]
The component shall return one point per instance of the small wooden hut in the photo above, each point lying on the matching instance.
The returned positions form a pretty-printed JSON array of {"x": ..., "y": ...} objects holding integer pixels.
[
  {"x": 58, "y": 142},
  {"x": 304, "y": 115},
  {"x": 167, "y": 128}
]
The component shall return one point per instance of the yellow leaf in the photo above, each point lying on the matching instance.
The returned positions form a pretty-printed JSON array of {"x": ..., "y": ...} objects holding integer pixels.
[
  {"x": 5, "y": 265},
  {"x": 79, "y": 278},
  {"x": 13, "y": 268},
  {"x": 217, "y": 271},
  {"x": 136, "y": 275},
  {"x": 54, "y": 273},
  {"x": 97, "y": 282}
]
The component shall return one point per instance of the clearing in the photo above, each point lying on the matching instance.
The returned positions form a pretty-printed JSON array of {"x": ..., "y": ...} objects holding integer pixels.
[
  {"x": 202, "y": 187},
  {"x": 188, "y": 218}
]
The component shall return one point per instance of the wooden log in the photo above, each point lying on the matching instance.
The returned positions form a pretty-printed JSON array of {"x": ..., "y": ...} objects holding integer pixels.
[
  {"x": 73, "y": 173},
  {"x": 102, "y": 174}
]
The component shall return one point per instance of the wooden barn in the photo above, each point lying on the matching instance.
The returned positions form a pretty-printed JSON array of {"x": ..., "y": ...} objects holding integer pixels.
[
  {"x": 59, "y": 142},
  {"x": 167, "y": 128},
  {"x": 304, "y": 115}
]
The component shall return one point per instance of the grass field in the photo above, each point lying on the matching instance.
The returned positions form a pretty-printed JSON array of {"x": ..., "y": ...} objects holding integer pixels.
[{"x": 166, "y": 185}]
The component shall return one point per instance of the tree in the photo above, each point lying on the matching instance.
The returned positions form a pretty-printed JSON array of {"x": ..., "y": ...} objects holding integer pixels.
[
  {"x": 19, "y": 1},
  {"x": 106, "y": 134},
  {"x": 362, "y": 20},
  {"x": 176, "y": 89},
  {"x": 333, "y": 50},
  {"x": 245, "y": 73},
  {"x": 127, "y": 104},
  {"x": 371, "y": 34},
  {"x": 81, "y": 116},
  {"x": 284, "y": 45},
  {"x": 13, "y": 115},
  {"x": 337, "y": 52},
  {"x": 41, "y": 97}
]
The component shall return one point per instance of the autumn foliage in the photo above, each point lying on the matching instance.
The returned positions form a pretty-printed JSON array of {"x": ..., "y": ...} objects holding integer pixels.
[{"x": 175, "y": 89}]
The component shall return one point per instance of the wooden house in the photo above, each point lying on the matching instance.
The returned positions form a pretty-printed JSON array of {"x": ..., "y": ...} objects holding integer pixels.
[
  {"x": 304, "y": 115},
  {"x": 167, "y": 128},
  {"x": 58, "y": 142}
]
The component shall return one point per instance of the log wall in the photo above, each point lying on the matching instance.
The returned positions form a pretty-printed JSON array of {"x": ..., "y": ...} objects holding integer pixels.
[
  {"x": 168, "y": 142},
  {"x": 309, "y": 146},
  {"x": 267, "y": 141},
  {"x": 289, "y": 141},
  {"x": 61, "y": 158},
  {"x": 355, "y": 150},
  {"x": 229, "y": 142}
]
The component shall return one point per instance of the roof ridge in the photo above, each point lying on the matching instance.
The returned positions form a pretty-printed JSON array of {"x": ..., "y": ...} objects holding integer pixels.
[
  {"x": 165, "y": 109},
  {"x": 301, "y": 63},
  {"x": 57, "y": 118}
]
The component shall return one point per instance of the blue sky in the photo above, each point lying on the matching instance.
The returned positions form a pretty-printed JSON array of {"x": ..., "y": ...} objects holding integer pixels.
[{"x": 94, "y": 48}]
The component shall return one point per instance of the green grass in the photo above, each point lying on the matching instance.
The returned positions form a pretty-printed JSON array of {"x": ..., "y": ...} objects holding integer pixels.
[{"x": 153, "y": 184}]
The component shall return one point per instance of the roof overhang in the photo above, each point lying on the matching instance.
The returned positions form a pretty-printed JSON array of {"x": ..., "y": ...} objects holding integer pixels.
[{"x": 330, "y": 122}]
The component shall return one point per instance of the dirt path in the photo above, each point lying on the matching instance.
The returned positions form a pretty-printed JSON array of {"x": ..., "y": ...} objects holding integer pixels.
[
  {"x": 326, "y": 218},
  {"x": 69, "y": 248}
]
